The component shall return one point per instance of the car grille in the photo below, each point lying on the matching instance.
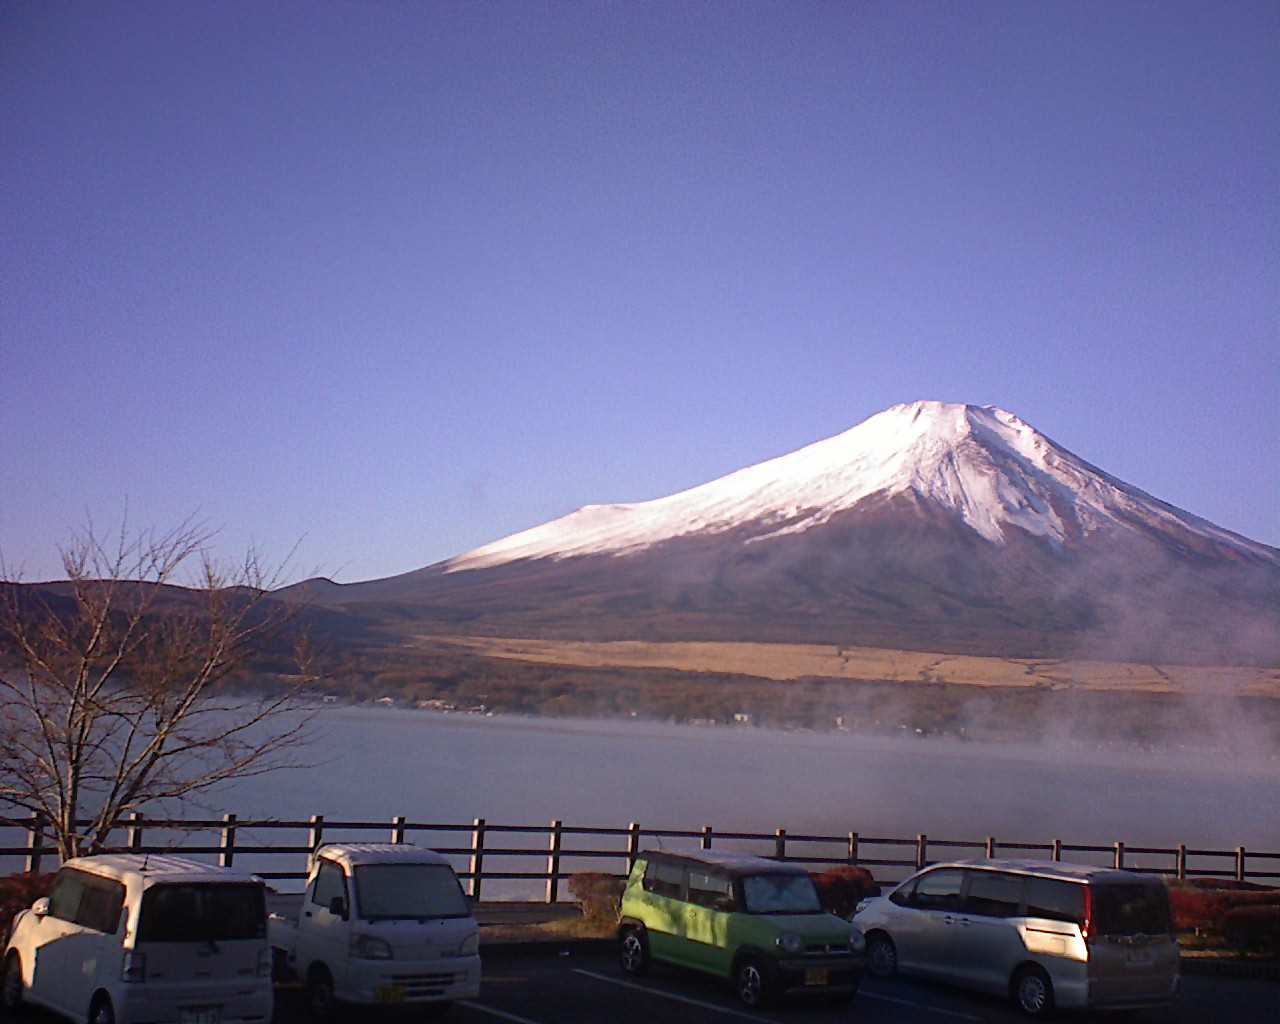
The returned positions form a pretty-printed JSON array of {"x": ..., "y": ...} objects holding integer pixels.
[
  {"x": 416, "y": 986},
  {"x": 827, "y": 949}
]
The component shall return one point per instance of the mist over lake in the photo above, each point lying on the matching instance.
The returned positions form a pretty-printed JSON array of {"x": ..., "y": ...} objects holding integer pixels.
[{"x": 374, "y": 763}]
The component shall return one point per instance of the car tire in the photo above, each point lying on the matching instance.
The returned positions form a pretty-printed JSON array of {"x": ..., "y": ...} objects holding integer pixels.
[
  {"x": 753, "y": 983},
  {"x": 11, "y": 987},
  {"x": 633, "y": 952},
  {"x": 321, "y": 1003},
  {"x": 101, "y": 1011},
  {"x": 1033, "y": 992},
  {"x": 882, "y": 955}
]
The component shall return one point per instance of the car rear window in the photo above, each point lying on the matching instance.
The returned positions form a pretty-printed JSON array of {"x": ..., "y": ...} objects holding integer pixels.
[
  {"x": 205, "y": 912},
  {"x": 1123, "y": 908},
  {"x": 663, "y": 879},
  {"x": 1055, "y": 901}
]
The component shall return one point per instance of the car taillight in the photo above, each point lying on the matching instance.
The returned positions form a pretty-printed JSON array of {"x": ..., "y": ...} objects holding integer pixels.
[
  {"x": 1087, "y": 924},
  {"x": 134, "y": 967}
]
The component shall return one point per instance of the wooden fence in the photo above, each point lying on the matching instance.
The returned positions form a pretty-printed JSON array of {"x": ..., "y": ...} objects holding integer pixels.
[{"x": 559, "y": 851}]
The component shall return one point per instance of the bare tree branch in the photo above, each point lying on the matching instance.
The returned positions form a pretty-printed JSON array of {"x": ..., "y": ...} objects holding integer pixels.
[{"x": 112, "y": 684}]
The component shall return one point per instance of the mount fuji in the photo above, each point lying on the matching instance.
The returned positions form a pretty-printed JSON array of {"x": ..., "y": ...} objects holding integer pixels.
[{"x": 929, "y": 526}]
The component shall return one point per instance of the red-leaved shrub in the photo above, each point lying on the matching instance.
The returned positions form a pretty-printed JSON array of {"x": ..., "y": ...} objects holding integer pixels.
[
  {"x": 18, "y": 892},
  {"x": 1254, "y": 927},
  {"x": 599, "y": 895},
  {"x": 840, "y": 889}
]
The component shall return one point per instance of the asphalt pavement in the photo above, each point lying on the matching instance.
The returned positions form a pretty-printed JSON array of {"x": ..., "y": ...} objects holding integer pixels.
[{"x": 591, "y": 988}]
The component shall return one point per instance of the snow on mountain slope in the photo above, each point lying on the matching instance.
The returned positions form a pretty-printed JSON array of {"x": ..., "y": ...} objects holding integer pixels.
[{"x": 981, "y": 463}]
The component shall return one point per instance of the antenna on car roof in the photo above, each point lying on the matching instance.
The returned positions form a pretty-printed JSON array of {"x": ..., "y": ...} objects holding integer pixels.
[{"x": 146, "y": 858}]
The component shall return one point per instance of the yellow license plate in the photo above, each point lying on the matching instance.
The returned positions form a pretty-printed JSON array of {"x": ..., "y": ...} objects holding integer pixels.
[
  {"x": 389, "y": 994},
  {"x": 817, "y": 976}
]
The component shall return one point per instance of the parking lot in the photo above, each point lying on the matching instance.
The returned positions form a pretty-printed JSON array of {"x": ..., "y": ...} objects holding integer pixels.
[{"x": 553, "y": 989}]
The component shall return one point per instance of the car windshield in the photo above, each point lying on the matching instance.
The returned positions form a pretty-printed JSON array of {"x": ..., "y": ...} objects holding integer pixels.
[
  {"x": 409, "y": 891},
  {"x": 215, "y": 912},
  {"x": 780, "y": 894}
]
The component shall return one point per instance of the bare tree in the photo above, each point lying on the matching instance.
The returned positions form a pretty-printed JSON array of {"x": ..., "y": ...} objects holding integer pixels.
[{"x": 113, "y": 691}]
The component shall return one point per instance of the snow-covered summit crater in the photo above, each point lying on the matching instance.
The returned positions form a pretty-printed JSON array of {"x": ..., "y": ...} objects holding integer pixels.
[{"x": 983, "y": 464}]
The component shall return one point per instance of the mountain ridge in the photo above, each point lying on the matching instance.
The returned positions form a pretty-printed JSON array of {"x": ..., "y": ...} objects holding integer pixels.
[{"x": 928, "y": 526}]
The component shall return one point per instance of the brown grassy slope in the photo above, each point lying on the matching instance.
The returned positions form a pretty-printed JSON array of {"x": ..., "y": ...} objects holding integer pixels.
[{"x": 786, "y": 662}]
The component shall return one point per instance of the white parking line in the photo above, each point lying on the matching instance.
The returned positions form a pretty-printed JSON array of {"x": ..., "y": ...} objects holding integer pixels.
[
  {"x": 918, "y": 1006},
  {"x": 501, "y": 1014},
  {"x": 670, "y": 995}
]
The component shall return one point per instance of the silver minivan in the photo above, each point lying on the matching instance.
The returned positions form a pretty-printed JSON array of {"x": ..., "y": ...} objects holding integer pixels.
[{"x": 1045, "y": 933}]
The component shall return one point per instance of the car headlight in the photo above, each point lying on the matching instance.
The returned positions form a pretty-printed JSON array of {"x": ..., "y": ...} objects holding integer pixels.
[
  {"x": 369, "y": 947},
  {"x": 789, "y": 942},
  {"x": 857, "y": 941},
  {"x": 862, "y": 905},
  {"x": 470, "y": 946}
]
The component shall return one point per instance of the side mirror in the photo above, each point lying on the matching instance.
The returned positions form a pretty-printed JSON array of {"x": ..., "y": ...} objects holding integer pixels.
[
  {"x": 338, "y": 907},
  {"x": 41, "y": 907},
  {"x": 900, "y": 898}
]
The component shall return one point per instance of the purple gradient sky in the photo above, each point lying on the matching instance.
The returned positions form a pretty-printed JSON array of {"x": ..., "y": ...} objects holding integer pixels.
[{"x": 400, "y": 279}]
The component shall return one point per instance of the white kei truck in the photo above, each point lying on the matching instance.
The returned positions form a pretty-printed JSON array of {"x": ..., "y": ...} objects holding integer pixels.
[{"x": 380, "y": 924}]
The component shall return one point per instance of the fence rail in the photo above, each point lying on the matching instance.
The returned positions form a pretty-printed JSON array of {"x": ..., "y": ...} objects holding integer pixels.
[{"x": 490, "y": 855}]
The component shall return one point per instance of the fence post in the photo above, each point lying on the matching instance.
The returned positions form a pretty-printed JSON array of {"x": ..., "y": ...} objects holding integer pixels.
[
  {"x": 780, "y": 844},
  {"x": 35, "y": 844},
  {"x": 476, "y": 865},
  {"x": 477, "y": 857},
  {"x": 991, "y": 847},
  {"x": 397, "y": 829},
  {"x": 553, "y": 861},
  {"x": 1119, "y": 859},
  {"x": 633, "y": 845},
  {"x": 314, "y": 838},
  {"x": 1239, "y": 863},
  {"x": 133, "y": 834},
  {"x": 228, "y": 841},
  {"x": 706, "y": 837},
  {"x": 1057, "y": 849},
  {"x": 1182, "y": 862},
  {"x": 853, "y": 847},
  {"x": 922, "y": 851}
]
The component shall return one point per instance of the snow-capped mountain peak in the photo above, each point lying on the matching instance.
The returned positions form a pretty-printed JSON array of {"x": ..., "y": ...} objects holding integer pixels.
[{"x": 983, "y": 464}]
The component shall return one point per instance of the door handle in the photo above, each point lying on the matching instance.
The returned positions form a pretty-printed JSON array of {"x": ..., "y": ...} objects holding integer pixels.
[{"x": 306, "y": 913}]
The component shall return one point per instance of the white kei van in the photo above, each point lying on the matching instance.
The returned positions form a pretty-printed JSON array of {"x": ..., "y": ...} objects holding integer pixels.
[{"x": 133, "y": 937}]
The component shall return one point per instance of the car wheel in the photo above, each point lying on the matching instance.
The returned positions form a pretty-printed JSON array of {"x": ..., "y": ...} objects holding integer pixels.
[
  {"x": 882, "y": 955},
  {"x": 633, "y": 952},
  {"x": 753, "y": 983},
  {"x": 102, "y": 1012},
  {"x": 11, "y": 988},
  {"x": 1033, "y": 992},
  {"x": 320, "y": 1000}
]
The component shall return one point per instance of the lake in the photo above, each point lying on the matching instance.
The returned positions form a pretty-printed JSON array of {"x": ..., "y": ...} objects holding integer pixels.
[{"x": 373, "y": 763}]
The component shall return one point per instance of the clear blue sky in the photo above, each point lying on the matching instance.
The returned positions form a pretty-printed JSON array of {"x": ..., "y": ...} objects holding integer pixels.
[{"x": 397, "y": 279}]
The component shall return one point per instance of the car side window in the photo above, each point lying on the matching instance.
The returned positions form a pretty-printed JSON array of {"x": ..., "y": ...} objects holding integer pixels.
[
  {"x": 938, "y": 890},
  {"x": 100, "y": 905},
  {"x": 663, "y": 878},
  {"x": 64, "y": 899},
  {"x": 711, "y": 889},
  {"x": 329, "y": 883},
  {"x": 993, "y": 894},
  {"x": 1054, "y": 900}
]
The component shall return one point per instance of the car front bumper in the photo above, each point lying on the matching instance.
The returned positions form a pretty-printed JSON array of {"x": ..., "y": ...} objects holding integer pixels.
[{"x": 395, "y": 982}]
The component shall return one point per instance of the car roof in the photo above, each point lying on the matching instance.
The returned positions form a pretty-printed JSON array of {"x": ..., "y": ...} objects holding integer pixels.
[
  {"x": 351, "y": 855},
  {"x": 1056, "y": 869},
  {"x": 152, "y": 868},
  {"x": 731, "y": 863}
]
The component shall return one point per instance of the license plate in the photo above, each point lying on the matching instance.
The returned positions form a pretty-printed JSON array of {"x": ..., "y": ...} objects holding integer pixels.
[
  {"x": 389, "y": 994},
  {"x": 200, "y": 1015},
  {"x": 817, "y": 976}
]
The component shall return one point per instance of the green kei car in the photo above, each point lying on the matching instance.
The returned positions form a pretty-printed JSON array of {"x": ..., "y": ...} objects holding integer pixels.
[{"x": 755, "y": 921}]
